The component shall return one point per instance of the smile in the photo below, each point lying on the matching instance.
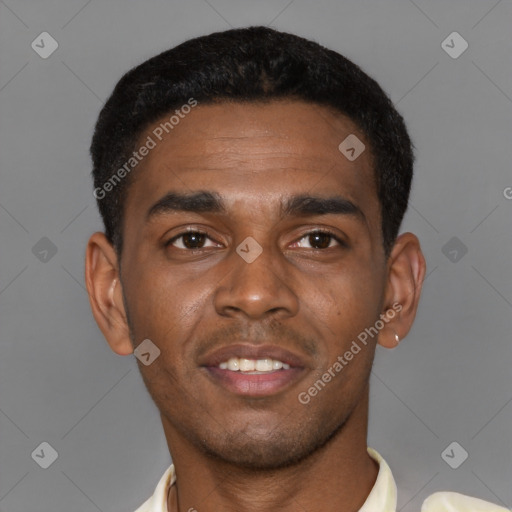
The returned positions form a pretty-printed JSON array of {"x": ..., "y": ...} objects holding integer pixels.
[{"x": 253, "y": 366}]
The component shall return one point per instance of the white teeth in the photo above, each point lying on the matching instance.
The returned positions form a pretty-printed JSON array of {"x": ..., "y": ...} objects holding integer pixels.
[
  {"x": 253, "y": 365},
  {"x": 276, "y": 365},
  {"x": 247, "y": 365},
  {"x": 264, "y": 365},
  {"x": 233, "y": 364}
]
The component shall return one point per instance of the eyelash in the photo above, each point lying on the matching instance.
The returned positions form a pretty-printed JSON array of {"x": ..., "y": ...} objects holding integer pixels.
[
  {"x": 207, "y": 234},
  {"x": 190, "y": 232}
]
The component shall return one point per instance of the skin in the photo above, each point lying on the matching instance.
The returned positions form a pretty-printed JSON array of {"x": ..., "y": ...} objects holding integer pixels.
[{"x": 234, "y": 452}]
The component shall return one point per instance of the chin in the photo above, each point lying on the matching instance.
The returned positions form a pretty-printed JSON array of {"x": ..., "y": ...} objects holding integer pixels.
[
  {"x": 255, "y": 457},
  {"x": 271, "y": 451}
]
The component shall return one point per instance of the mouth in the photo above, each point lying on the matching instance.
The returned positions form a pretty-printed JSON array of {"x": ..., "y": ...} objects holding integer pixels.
[
  {"x": 253, "y": 366},
  {"x": 253, "y": 370}
]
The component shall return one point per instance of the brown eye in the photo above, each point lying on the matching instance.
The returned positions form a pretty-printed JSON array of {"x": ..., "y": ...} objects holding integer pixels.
[
  {"x": 320, "y": 240},
  {"x": 191, "y": 240}
]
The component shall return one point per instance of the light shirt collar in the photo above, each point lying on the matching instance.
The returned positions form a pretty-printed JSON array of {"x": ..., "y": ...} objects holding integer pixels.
[{"x": 382, "y": 497}]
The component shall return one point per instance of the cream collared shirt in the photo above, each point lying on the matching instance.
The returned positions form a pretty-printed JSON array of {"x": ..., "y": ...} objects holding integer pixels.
[{"x": 382, "y": 497}]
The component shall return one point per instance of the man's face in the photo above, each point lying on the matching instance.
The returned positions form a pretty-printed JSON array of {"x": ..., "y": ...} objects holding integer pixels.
[{"x": 301, "y": 301}]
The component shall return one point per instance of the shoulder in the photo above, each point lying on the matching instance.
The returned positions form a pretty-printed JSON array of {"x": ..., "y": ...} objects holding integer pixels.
[{"x": 455, "y": 502}]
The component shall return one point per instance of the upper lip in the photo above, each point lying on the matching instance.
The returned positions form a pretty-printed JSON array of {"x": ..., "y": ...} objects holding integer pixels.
[{"x": 249, "y": 351}]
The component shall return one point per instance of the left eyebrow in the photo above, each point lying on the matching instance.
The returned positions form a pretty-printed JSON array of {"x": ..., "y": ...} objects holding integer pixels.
[{"x": 314, "y": 205}]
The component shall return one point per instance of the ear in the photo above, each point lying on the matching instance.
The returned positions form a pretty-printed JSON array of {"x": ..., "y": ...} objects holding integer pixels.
[
  {"x": 406, "y": 272},
  {"x": 105, "y": 293}
]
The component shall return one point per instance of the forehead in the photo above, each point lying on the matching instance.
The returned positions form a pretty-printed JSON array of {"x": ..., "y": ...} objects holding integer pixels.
[{"x": 253, "y": 152}]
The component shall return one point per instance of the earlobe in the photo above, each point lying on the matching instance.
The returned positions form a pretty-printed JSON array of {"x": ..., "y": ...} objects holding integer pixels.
[
  {"x": 406, "y": 272},
  {"x": 105, "y": 293},
  {"x": 388, "y": 336}
]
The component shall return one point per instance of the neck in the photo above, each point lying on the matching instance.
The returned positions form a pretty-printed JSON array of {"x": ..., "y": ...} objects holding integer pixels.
[{"x": 337, "y": 477}]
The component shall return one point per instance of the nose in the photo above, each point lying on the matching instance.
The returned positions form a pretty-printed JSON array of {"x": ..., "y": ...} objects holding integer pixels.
[{"x": 257, "y": 289}]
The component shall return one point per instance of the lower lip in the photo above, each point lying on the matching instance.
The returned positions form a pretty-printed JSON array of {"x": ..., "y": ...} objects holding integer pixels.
[{"x": 257, "y": 385}]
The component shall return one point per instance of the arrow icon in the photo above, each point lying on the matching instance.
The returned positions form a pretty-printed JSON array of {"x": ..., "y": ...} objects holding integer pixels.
[
  {"x": 454, "y": 249},
  {"x": 44, "y": 455},
  {"x": 351, "y": 147},
  {"x": 44, "y": 45},
  {"x": 454, "y": 45},
  {"x": 249, "y": 249},
  {"x": 146, "y": 352},
  {"x": 44, "y": 250},
  {"x": 454, "y": 455},
  {"x": 451, "y": 455}
]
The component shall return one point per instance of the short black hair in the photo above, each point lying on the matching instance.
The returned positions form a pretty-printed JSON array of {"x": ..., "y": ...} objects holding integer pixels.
[{"x": 250, "y": 64}]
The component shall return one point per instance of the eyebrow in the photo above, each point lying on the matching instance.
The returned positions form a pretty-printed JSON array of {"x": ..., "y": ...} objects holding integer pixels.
[
  {"x": 314, "y": 205},
  {"x": 201, "y": 202},
  {"x": 211, "y": 202}
]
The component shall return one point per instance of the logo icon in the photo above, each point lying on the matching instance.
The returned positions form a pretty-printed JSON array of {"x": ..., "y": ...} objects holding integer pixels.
[
  {"x": 45, "y": 455},
  {"x": 454, "y": 249},
  {"x": 454, "y": 45},
  {"x": 44, "y": 45},
  {"x": 249, "y": 249},
  {"x": 44, "y": 250},
  {"x": 146, "y": 352},
  {"x": 351, "y": 147},
  {"x": 454, "y": 455}
]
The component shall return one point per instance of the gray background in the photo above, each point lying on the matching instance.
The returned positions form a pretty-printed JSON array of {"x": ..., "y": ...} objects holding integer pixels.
[{"x": 448, "y": 381}]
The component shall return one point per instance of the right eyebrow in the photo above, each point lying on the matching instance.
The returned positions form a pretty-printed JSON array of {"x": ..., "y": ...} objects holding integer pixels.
[{"x": 208, "y": 202}]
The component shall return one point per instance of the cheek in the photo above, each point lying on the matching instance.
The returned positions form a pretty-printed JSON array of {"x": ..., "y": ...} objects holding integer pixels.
[
  {"x": 163, "y": 305},
  {"x": 351, "y": 299},
  {"x": 348, "y": 304},
  {"x": 165, "y": 308}
]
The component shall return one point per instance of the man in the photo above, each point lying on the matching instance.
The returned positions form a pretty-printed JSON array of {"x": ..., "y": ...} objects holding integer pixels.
[{"x": 252, "y": 185}]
